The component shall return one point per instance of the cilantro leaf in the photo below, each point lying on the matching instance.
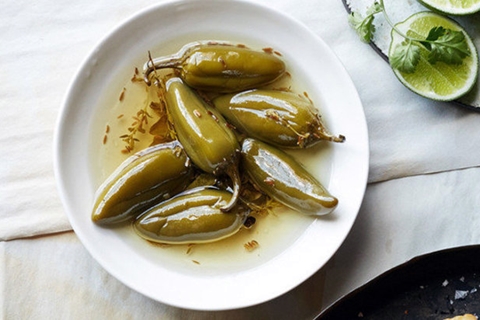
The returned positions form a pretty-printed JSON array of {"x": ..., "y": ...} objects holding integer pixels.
[
  {"x": 375, "y": 8},
  {"x": 446, "y": 45},
  {"x": 364, "y": 25},
  {"x": 405, "y": 56}
]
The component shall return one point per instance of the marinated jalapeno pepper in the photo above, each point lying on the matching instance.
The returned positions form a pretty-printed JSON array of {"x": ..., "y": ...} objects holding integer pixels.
[
  {"x": 145, "y": 178},
  {"x": 204, "y": 134},
  {"x": 284, "y": 179},
  {"x": 284, "y": 119},
  {"x": 220, "y": 67},
  {"x": 191, "y": 217}
]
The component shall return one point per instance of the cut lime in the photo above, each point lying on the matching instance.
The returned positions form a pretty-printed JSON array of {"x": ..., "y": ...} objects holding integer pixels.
[
  {"x": 439, "y": 81},
  {"x": 453, "y": 7}
]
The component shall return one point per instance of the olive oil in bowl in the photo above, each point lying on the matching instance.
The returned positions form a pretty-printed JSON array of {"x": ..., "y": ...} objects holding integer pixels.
[{"x": 131, "y": 117}]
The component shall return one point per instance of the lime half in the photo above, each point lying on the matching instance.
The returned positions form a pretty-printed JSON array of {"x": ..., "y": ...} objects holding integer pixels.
[
  {"x": 439, "y": 81},
  {"x": 453, "y": 7}
]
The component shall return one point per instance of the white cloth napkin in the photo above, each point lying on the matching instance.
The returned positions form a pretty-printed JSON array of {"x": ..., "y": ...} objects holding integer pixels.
[{"x": 43, "y": 44}]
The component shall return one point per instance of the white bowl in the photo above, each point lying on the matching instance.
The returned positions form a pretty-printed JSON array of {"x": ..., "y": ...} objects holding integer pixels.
[{"x": 240, "y": 279}]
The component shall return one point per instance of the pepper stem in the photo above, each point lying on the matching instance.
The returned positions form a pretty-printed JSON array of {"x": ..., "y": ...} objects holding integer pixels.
[
  {"x": 321, "y": 132},
  {"x": 232, "y": 172},
  {"x": 172, "y": 61}
]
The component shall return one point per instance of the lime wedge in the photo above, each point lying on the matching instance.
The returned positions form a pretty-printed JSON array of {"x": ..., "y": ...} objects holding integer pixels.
[
  {"x": 439, "y": 81},
  {"x": 453, "y": 7}
]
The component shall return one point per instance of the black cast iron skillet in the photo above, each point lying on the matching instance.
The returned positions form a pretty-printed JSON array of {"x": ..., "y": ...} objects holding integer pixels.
[{"x": 437, "y": 285}]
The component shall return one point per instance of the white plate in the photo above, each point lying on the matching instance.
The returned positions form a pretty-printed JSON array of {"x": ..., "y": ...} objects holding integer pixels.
[{"x": 344, "y": 168}]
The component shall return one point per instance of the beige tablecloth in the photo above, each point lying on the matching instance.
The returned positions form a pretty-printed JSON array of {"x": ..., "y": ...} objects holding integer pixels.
[{"x": 423, "y": 192}]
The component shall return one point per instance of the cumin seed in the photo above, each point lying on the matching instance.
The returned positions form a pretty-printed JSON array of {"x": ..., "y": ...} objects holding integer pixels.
[{"x": 122, "y": 94}]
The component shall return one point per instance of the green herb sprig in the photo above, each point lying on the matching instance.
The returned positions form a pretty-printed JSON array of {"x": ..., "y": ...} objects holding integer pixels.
[{"x": 442, "y": 44}]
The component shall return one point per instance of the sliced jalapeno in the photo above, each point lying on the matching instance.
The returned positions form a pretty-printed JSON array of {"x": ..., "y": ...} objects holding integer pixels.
[
  {"x": 145, "y": 178},
  {"x": 194, "y": 216},
  {"x": 204, "y": 133},
  {"x": 220, "y": 67},
  {"x": 285, "y": 180},
  {"x": 284, "y": 119}
]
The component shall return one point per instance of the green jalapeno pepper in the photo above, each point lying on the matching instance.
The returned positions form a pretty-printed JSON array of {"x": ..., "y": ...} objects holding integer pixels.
[
  {"x": 284, "y": 119},
  {"x": 204, "y": 133},
  {"x": 220, "y": 67},
  {"x": 285, "y": 180},
  {"x": 145, "y": 178},
  {"x": 193, "y": 216}
]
